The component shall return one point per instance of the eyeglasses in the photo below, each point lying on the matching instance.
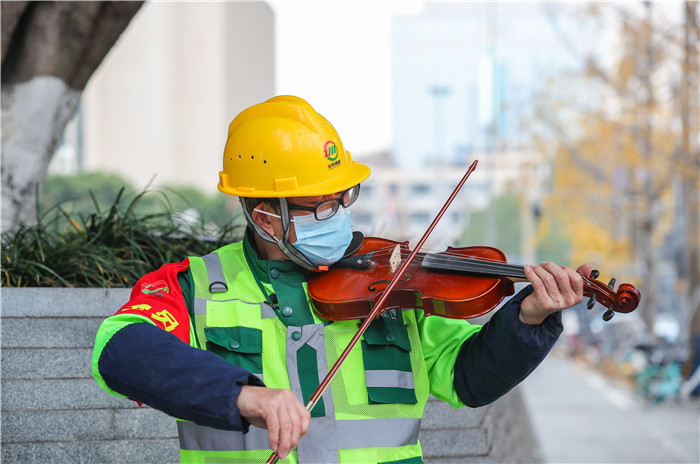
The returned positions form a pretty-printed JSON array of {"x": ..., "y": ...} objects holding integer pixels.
[{"x": 326, "y": 209}]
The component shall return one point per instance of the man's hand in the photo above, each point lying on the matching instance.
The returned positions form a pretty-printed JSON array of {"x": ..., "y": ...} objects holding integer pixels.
[
  {"x": 556, "y": 287},
  {"x": 278, "y": 411}
]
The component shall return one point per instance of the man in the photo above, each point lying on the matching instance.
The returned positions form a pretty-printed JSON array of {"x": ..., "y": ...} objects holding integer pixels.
[{"x": 230, "y": 345}]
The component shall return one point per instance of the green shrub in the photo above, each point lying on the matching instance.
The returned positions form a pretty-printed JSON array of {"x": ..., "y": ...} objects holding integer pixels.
[{"x": 106, "y": 248}]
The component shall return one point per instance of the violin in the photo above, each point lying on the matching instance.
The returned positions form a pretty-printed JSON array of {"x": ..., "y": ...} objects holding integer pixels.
[{"x": 459, "y": 283}]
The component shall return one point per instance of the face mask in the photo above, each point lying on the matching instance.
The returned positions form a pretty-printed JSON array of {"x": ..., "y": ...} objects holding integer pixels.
[{"x": 323, "y": 242}]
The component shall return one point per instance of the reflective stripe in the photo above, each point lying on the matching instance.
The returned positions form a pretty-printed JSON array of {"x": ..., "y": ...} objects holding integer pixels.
[
  {"x": 215, "y": 273},
  {"x": 352, "y": 434},
  {"x": 201, "y": 438},
  {"x": 389, "y": 378},
  {"x": 320, "y": 443},
  {"x": 266, "y": 311},
  {"x": 200, "y": 306},
  {"x": 376, "y": 433},
  {"x": 311, "y": 335}
]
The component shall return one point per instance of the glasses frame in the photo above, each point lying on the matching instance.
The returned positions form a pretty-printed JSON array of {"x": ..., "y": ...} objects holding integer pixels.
[{"x": 335, "y": 203}]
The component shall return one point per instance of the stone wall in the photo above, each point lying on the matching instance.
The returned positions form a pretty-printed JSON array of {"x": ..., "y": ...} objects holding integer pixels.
[
  {"x": 497, "y": 433},
  {"x": 53, "y": 411}
]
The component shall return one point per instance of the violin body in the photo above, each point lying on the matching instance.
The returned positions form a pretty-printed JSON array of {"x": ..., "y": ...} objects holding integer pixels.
[{"x": 349, "y": 290}]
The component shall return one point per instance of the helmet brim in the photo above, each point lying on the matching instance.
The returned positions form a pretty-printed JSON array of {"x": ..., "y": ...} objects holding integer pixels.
[{"x": 356, "y": 173}]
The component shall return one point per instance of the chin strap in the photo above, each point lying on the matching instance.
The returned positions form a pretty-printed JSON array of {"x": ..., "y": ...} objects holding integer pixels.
[{"x": 287, "y": 248}]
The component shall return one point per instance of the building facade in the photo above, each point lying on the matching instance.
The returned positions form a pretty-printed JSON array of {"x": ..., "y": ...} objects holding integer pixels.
[{"x": 157, "y": 109}]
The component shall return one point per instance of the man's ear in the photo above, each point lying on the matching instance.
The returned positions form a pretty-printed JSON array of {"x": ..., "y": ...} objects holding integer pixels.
[{"x": 261, "y": 219}]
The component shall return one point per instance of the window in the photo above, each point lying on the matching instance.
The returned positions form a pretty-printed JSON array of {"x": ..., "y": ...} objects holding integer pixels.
[{"x": 419, "y": 189}]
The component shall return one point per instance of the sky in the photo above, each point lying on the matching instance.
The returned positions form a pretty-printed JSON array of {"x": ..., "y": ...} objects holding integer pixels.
[{"x": 337, "y": 56}]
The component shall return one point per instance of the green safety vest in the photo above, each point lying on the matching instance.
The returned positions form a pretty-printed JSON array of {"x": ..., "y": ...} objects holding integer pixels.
[{"x": 372, "y": 409}]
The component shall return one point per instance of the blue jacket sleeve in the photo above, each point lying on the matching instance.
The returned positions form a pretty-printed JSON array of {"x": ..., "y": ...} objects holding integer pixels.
[
  {"x": 154, "y": 367},
  {"x": 503, "y": 353}
]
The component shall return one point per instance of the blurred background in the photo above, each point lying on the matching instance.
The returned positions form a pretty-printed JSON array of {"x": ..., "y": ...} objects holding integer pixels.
[{"x": 583, "y": 117}]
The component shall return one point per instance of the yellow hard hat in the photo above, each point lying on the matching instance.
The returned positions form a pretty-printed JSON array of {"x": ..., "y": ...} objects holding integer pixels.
[{"x": 284, "y": 148}]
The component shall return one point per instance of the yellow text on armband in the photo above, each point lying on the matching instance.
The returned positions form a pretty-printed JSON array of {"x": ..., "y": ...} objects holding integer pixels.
[
  {"x": 169, "y": 322},
  {"x": 140, "y": 307}
]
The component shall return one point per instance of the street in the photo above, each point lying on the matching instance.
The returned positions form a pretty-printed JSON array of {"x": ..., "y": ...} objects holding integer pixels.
[{"x": 582, "y": 417}]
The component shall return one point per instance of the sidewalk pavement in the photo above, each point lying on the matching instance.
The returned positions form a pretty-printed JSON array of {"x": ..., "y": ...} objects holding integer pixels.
[{"x": 581, "y": 417}]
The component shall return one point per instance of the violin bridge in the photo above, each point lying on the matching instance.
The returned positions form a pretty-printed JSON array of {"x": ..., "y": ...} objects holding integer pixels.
[{"x": 395, "y": 259}]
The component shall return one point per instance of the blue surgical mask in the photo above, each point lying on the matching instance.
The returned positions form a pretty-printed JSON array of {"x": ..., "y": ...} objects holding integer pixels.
[{"x": 323, "y": 242}]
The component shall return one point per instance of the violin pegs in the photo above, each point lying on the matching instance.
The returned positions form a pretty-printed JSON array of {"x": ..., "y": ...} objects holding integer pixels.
[
  {"x": 608, "y": 315},
  {"x": 591, "y": 302},
  {"x": 594, "y": 274},
  {"x": 611, "y": 284}
]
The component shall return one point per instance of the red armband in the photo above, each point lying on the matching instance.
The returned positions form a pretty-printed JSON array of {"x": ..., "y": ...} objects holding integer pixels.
[{"x": 158, "y": 296}]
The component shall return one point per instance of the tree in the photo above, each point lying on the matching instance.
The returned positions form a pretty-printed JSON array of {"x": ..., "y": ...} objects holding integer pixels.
[
  {"x": 49, "y": 51},
  {"x": 626, "y": 162},
  {"x": 689, "y": 155}
]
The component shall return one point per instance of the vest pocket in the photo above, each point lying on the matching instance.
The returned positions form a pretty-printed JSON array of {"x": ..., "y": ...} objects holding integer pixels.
[
  {"x": 241, "y": 346},
  {"x": 386, "y": 354}
]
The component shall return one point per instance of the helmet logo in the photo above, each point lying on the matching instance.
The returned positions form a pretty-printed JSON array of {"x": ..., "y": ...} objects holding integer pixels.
[{"x": 331, "y": 152}]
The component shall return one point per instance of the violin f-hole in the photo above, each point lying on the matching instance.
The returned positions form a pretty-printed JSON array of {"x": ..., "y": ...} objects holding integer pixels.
[{"x": 372, "y": 285}]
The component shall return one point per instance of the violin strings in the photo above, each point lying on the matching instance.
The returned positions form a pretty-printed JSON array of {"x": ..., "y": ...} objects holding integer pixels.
[
  {"x": 383, "y": 252},
  {"x": 456, "y": 261},
  {"x": 387, "y": 251},
  {"x": 477, "y": 265}
]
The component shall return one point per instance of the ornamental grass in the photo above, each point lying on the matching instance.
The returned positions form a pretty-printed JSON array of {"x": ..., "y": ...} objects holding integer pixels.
[{"x": 110, "y": 247}]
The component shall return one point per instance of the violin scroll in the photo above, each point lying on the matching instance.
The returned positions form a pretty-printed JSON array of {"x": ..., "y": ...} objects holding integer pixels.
[{"x": 624, "y": 300}]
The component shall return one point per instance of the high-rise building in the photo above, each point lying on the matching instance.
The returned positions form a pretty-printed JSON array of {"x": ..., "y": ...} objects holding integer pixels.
[{"x": 465, "y": 78}]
